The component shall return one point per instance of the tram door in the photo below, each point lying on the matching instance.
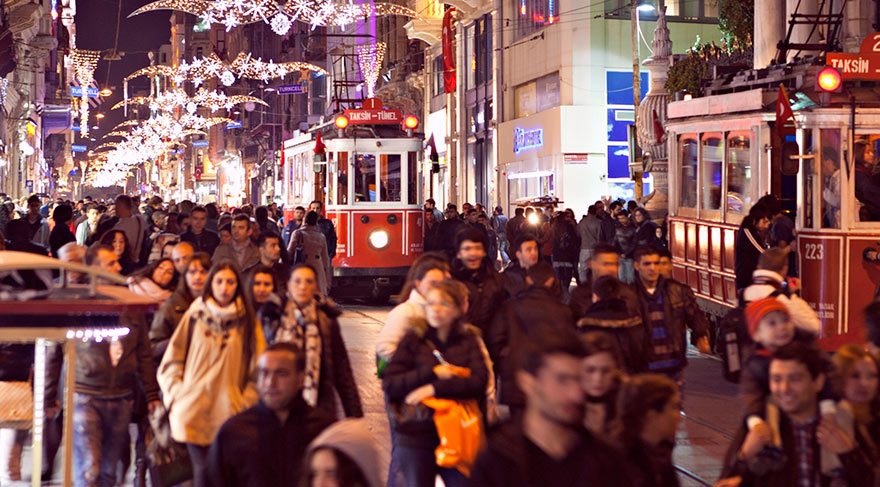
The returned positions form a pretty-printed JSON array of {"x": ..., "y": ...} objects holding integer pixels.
[{"x": 783, "y": 177}]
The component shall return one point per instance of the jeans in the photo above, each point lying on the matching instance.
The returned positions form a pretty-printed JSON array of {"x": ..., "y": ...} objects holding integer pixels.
[
  {"x": 627, "y": 272},
  {"x": 564, "y": 271},
  {"x": 198, "y": 455},
  {"x": 99, "y": 430},
  {"x": 11, "y": 446},
  {"x": 584, "y": 264},
  {"x": 420, "y": 468}
]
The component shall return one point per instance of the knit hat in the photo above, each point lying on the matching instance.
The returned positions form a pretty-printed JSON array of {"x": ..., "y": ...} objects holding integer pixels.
[
  {"x": 352, "y": 438},
  {"x": 757, "y": 310}
]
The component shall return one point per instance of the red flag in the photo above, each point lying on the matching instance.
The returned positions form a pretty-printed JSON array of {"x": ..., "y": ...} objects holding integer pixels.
[
  {"x": 658, "y": 127},
  {"x": 432, "y": 149},
  {"x": 448, "y": 46},
  {"x": 784, "y": 112},
  {"x": 319, "y": 145}
]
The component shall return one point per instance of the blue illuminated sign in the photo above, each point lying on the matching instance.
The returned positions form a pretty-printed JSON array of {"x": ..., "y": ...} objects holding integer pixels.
[
  {"x": 200, "y": 143},
  {"x": 77, "y": 92},
  {"x": 78, "y": 148},
  {"x": 236, "y": 124},
  {"x": 527, "y": 139}
]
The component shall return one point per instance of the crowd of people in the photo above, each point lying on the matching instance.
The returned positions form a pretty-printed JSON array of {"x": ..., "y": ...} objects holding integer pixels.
[{"x": 496, "y": 369}]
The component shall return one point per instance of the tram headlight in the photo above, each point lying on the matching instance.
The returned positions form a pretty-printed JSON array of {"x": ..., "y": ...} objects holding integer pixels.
[{"x": 378, "y": 239}]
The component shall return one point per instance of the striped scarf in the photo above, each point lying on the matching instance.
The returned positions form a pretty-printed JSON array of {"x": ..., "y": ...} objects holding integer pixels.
[{"x": 299, "y": 326}]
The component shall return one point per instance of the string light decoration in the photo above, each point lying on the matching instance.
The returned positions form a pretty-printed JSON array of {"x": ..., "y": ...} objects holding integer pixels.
[
  {"x": 243, "y": 66},
  {"x": 84, "y": 64},
  {"x": 173, "y": 99},
  {"x": 4, "y": 89},
  {"x": 324, "y": 13},
  {"x": 370, "y": 57},
  {"x": 159, "y": 69},
  {"x": 116, "y": 133}
]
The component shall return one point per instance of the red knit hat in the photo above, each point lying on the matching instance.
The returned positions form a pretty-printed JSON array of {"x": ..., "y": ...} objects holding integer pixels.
[{"x": 757, "y": 310}]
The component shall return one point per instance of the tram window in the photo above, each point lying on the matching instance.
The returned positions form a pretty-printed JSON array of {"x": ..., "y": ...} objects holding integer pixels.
[
  {"x": 867, "y": 177},
  {"x": 712, "y": 158},
  {"x": 830, "y": 180},
  {"x": 389, "y": 177},
  {"x": 739, "y": 174},
  {"x": 805, "y": 207},
  {"x": 688, "y": 156},
  {"x": 412, "y": 179},
  {"x": 365, "y": 177},
  {"x": 342, "y": 178}
]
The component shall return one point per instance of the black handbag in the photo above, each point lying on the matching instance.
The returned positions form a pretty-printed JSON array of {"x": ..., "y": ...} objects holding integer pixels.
[
  {"x": 299, "y": 253},
  {"x": 168, "y": 461}
]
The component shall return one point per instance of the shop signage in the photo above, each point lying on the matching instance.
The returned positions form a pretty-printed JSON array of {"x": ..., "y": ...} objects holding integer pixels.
[
  {"x": 527, "y": 139},
  {"x": 77, "y": 92},
  {"x": 233, "y": 125},
  {"x": 864, "y": 65},
  {"x": 366, "y": 116},
  {"x": 294, "y": 89},
  {"x": 200, "y": 143},
  {"x": 575, "y": 158},
  {"x": 78, "y": 148}
]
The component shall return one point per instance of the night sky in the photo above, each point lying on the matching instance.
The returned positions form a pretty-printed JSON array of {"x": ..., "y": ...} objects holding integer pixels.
[{"x": 96, "y": 29}]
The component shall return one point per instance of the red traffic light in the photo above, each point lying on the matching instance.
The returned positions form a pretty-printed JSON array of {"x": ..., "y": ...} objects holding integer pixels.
[{"x": 829, "y": 79}]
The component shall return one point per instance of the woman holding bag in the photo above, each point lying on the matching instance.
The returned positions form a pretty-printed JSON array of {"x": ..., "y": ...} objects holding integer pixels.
[
  {"x": 208, "y": 372},
  {"x": 427, "y": 364}
]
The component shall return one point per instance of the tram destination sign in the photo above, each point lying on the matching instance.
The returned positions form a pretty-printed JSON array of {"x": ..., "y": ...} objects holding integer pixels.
[
  {"x": 865, "y": 65},
  {"x": 365, "y": 116}
]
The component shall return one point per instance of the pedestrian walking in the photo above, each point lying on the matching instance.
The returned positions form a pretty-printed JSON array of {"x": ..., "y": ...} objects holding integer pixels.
[
  {"x": 566, "y": 250},
  {"x": 327, "y": 228},
  {"x": 625, "y": 233},
  {"x": 526, "y": 254},
  {"x": 424, "y": 366},
  {"x": 61, "y": 234},
  {"x": 241, "y": 250},
  {"x": 750, "y": 244},
  {"x": 155, "y": 281},
  {"x": 181, "y": 254},
  {"x": 589, "y": 229},
  {"x": 308, "y": 245},
  {"x": 299, "y": 213},
  {"x": 513, "y": 228},
  {"x": 345, "y": 454},
  {"x": 208, "y": 372},
  {"x": 201, "y": 238},
  {"x": 265, "y": 445},
  {"x": 499, "y": 224},
  {"x": 472, "y": 267},
  {"x": 615, "y": 311},
  {"x": 190, "y": 286},
  {"x": 601, "y": 376},
  {"x": 118, "y": 241},
  {"x": 646, "y": 229},
  {"x": 310, "y": 323}
]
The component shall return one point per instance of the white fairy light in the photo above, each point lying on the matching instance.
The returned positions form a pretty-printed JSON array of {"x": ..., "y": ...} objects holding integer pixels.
[
  {"x": 280, "y": 24},
  {"x": 227, "y": 78},
  {"x": 370, "y": 57}
]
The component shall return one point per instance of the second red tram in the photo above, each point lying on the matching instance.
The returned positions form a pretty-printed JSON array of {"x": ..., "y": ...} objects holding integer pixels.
[
  {"x": 370, "y": 184},
  {"x": 722, "y": 160}
]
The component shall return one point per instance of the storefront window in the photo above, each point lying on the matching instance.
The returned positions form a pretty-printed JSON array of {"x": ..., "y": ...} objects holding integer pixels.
[
  {"x": 713, "y": 157},
  {"x": 389, "y": 177},
  {"x": 688, "y": 157},
  {"x": 342, "y": 178},
  {"x": 520, "y": 187},
  {"x": 739, "y": 174},
  {"x": 830, "y": 180},
  {"x": 364, "y": 177},
  {"x": 867, "y": 179}
]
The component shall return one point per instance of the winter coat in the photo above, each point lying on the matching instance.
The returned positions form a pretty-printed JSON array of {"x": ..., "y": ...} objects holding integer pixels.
[
  {"x": 165, "y": 321},
  {"x": 329, "y": 231},
  {"x": 856, "y": 466},
  {"x": 566, "y": 241},
  {"x": 59, "y": 237},
  {"x": 352, "y": 438},
  {"x": 513, "y": 228},
  {"x": 404, "y": 317},
  {"x": 95, "y": 374},
  {"x": 412, "y": 366},
  {"x": 254, "y": 449},
  {"x": 646, "y": 234},
  {"x": 532, "y": 313},
  {"x": 765, "y": 283},
  {"x": 590, "y": 231},
  {"x": 507, "y": 461},
  {"x": 485, "y": 292},
  {"x": 513, "y": 278},
  {"x": 624, "y": 323},
  {"x": 207, "y": 241},
  {"x": 314, "y": 247},
  {"x": 446, "y": 232},
  {"x": 336, "y": 377},
  {"x": 609, "y": 229},
  {"x": 288, "y": 230},
  {"x": 680, "y": 312},
  {"x": 625, "y": 237},
  {"x": 651, "y": 466},
  {"x": 243, "y": 258},
  {"x": 747, "y": 251},
  {"x": 208, "y": 374}
]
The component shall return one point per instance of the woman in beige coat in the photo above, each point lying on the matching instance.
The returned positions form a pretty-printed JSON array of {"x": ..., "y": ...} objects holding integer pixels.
[
  {"x": 312, "y": 250},
  {"x": 208, "y": 372}
]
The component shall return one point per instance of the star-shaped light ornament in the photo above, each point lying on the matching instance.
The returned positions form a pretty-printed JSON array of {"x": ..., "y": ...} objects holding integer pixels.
[{"x": 280, "y": 23}]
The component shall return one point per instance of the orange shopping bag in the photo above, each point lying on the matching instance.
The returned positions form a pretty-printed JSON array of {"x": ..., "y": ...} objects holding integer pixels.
[{"x": 460, "y": 428}]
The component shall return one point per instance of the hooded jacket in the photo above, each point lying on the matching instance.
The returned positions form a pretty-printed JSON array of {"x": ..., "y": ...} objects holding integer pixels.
[
  {"x": 617, "y": 319},
  {"x": 352, "y": 438},
  {"x": 765, "y": 283},
  {"x": 207, "y": 374}
]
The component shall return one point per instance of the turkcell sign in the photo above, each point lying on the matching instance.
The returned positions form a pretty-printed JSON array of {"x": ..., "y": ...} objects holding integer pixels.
[
  {"x": 200, "y": 143},
  {"x": 527, "y": 139},
  {"x": 373, "y": 117},
  {"x": 78, "y": 148},
  {"x": 295, "y": 89},
  {"x": 77, "y": 92}
]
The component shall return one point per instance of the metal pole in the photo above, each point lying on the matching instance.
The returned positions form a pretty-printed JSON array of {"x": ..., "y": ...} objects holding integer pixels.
[
  {"x": 39, "y": 412},
  {"x": 637, "y": 91},
  {"x": 69, "y": 383}
]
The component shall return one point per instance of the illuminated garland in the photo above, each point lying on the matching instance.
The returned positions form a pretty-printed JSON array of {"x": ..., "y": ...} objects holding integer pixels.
[
  {"x": 233, "y": 13},
  {"x": 173, "y": 99},
  {"x": 370, "y": 57},
  {"x": 84, "y": 65}
]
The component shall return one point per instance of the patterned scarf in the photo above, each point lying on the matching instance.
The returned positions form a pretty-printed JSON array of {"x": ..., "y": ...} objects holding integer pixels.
[{"x": 299, "y": 326}]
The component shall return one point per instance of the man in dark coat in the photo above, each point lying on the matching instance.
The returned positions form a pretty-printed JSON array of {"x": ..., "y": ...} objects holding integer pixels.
[
  {"x": 447, "y": 230},
  {"x": 202, "y": 239},
  {"x": 472, "y": 267},
  {"x": 616, "y": 313},
  {"x": 550, "y": 446},
  {"x": 326, "y": 227},
  {"x": 535, "y": 311},
  {"x": 604, "y": 261},
  {"x": 513, "y": 227},
  {"x": 264, "y": 446},
  {"x": 526, "y": 254}
]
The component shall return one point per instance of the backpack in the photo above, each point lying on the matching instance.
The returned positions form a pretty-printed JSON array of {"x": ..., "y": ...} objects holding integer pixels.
[
  {"x": 733, "y": 342},
  {"x": 566, "y": 243}
]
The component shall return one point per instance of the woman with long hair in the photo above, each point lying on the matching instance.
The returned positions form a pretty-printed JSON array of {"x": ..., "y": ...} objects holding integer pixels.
[
  {"x": 601, "y": 376},
  {"x": 190, "y": 286},
  {"x": 208, "y": 372},
  {"x": 154, "y": 281},
  {"x": 424, "y": 366},
  {"x": 648, "y": 413},
  {"x": 121, "y": 247},
  {"x": 309, "y": 322},
  {"x": 646, "y": 230},
  {"x": 751, "y": 242}
]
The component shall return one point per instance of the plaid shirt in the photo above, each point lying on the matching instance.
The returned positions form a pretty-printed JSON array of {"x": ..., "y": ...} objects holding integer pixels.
[{"x": 805, "y": 451}]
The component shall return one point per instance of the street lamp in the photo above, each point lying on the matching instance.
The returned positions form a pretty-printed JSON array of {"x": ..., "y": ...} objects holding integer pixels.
[
  {"x": 105, "y": 92},
  {"x": 637, "y": 6}
]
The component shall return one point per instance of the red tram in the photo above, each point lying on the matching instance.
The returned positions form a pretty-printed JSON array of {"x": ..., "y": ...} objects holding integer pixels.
[
  {"x": 723, "y": 157},
  {"x": 370, "y": 184}
]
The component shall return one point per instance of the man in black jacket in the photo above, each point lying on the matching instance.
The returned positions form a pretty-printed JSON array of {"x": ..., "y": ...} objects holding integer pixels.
[
  {"x": 549, "y": 446},
  {"x": 472, "y": 267},
  {"x": 326, "y": 227},
  {"x": 533, "y": 312},
  {"x": 526, "y": 253},
  {"x": 669, "y": 308},
  {"x": 107, "y": 373},
  {"x": 447, "y": 230},
  {"x": 264, "y": 446},
  {"x": 202, "y": 239}
]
